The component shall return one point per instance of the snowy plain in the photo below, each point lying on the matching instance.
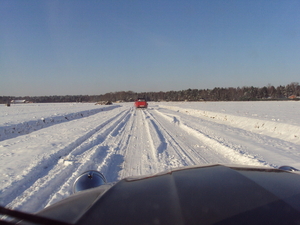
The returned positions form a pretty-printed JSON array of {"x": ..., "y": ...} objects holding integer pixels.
[{"x": 45, "y": 147}]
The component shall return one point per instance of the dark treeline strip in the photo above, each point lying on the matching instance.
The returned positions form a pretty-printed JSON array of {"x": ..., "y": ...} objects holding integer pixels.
[{"x": 290, "y": 91}]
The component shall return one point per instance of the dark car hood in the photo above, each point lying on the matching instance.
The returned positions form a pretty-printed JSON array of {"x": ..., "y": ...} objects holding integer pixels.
[{"x": 213, "y": 194}]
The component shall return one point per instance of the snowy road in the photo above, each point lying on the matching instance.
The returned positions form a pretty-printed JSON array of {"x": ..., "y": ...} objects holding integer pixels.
[{"x": 40, "y": 162}]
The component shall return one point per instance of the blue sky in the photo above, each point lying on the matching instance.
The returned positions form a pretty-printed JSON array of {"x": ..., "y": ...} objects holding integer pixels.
[{"x": 94, "y": 47}]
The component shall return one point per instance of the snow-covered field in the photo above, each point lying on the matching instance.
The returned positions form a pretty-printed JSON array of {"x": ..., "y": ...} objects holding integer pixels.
[{"x": 44, "y": 147}]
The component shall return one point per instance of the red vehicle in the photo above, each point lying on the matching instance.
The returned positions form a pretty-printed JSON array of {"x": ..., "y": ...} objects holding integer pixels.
[{"x": 141, "y": 103}]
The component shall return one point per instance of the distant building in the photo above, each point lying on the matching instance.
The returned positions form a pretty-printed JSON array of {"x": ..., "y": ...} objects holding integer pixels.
[{"x": 18, "y": 101}]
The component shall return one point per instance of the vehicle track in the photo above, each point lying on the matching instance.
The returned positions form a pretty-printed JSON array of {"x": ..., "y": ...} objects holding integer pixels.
[
  {"x": 243, "y": 142},
  {"x": 103, "y": 156},
  {"x": 76, "y": 160},
  {"x": 190, "y": 149},
  {"x": 139, "y": 154},
  {"x": 27, "y": 127}
]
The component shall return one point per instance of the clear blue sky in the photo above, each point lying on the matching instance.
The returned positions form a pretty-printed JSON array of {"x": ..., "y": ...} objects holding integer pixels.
[{"x": 93, "y": 47}]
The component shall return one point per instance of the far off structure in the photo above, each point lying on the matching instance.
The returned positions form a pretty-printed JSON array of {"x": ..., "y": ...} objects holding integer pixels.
[{"x": 16, "y": 102}]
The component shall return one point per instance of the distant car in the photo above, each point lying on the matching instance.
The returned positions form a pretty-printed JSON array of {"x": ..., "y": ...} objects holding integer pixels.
[{"x": 141, "y": 103}]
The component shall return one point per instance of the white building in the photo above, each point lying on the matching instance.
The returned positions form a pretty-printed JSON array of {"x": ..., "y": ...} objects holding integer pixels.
[{"x": 18, "y": 101}]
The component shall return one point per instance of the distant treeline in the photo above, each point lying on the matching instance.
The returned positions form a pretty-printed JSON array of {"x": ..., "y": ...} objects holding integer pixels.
[{"x": 290, "y": 91}]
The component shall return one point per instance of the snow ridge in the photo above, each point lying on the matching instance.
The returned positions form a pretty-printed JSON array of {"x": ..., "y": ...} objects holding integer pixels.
[
  {"x": 274, "y": 129},
  {"x": 26, "y": 127}
]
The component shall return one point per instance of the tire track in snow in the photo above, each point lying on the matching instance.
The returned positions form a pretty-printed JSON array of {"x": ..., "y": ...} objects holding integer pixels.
[
  {"x": 277, "y": 130},
  {"x": 218, "y": 144},
  {"x": 139, "y": 157},
  {"x": 126, "y": 150},
  {"x": 268, "y": 150},
  {"x": 102, "y": 156},
  {"x": 42, "y": 182},
  {"x": 112, "y": 168},
  {"x": 177, "y": 152},
  {"x": 153, "y": 152},
  {"x": 46, "y": 161},
  {"x": 41, "y": 167},
  {"x": 27, "y": 127}
]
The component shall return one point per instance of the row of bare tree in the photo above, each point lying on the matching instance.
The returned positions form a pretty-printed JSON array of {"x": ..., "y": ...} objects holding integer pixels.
[{"x": 290, "y": 91}]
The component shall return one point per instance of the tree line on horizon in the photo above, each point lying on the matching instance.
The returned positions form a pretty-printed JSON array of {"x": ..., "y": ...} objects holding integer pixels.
[{"x": 290, "y": 91}]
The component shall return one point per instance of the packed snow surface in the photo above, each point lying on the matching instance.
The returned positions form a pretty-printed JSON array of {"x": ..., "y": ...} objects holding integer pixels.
[{"x": 45, "y": 147}]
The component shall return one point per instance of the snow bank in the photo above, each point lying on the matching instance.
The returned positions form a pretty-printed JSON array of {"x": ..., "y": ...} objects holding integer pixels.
[
  {"x": 277, "y": 129},
  {"x": 41, "y": 116}
]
